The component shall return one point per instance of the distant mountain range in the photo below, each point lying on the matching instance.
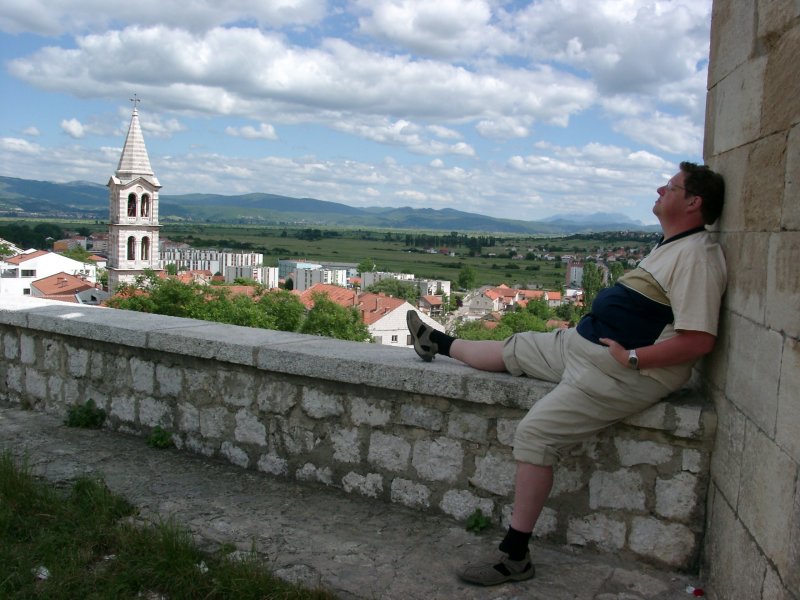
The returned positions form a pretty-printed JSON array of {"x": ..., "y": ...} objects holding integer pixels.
[{"x": 86, "y": 200}]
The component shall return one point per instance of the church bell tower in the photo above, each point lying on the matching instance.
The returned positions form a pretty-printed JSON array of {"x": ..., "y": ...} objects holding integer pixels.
[{"x": 133, "y": 211}]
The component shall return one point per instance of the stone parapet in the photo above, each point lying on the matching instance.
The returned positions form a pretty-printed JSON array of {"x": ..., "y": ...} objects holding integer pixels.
[{"x": 369, "y": 419}]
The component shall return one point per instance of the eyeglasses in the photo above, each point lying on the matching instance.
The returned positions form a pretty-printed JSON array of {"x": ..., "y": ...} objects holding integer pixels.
[{"x": 669, "y": 186}]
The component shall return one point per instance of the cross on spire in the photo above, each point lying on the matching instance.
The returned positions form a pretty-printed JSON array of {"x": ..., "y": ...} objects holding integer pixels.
[{"x": 135, "y": 101}]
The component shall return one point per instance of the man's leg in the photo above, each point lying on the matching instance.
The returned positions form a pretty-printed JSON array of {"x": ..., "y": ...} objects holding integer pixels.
[
  {"x": 531, "y": 488},
  {"x": 486, "y": 355}
]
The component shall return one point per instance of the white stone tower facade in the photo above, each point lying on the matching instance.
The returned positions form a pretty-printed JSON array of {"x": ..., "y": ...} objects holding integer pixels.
[{"x": 133, "y": 211}]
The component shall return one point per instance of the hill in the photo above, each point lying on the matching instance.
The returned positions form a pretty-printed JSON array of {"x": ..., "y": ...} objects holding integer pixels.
[{"x": 86, "y": 200}]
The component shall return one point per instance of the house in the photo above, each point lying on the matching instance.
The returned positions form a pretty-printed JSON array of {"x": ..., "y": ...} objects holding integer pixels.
[
  {"x": 19, "y": 272},
  {"x": 431, "y": 305},
  {"x": 67, "y": 288}
]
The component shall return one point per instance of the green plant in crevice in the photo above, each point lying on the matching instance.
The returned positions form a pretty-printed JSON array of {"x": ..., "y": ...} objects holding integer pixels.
[
  {"x": 159, "y": 438},
  {"x": 88, "y": 415},
  {"x": 477, "y": 521}
]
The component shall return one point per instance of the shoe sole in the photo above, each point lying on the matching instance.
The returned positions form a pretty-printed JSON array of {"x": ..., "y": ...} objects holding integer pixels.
[{"x": 411, "y": 318}]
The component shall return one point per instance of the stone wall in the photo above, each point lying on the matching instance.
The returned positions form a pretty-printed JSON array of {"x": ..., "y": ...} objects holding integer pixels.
[
  {"x": 752, "y": 137},
  {"x": 368, "y": 419}
]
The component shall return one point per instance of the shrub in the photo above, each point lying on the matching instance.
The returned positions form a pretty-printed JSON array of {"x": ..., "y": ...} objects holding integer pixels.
[{"x": 88, "y": 416}]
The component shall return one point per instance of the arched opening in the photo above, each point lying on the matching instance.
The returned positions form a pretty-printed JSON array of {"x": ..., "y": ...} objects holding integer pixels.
[
  {"x": 146, "y": 205},
  {"x": 145, "y": 248},
  {"x": 131, "y": 248},
  {"x": 131, "y": 205}
]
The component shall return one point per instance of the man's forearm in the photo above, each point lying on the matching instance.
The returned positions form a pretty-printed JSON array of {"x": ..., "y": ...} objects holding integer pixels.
[{"x": 685, "y": 347}]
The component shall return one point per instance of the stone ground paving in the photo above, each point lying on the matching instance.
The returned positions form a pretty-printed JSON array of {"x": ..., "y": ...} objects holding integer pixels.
[{"x": 359, "y": 549}]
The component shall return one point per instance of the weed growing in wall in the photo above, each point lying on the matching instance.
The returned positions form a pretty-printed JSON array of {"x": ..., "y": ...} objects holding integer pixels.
[{"x": 88, "y": 416}]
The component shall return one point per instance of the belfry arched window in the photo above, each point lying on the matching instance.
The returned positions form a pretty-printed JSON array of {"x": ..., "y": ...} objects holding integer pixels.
[
  {"x": 131, "y": 248},
  {"x": 145, "y": 248},
  {"x": 146, "y": 205},
  {"x": 131, "y": 205}
]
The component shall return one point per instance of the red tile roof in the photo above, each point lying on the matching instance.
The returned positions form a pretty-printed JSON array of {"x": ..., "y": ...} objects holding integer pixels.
[
  {"x": 374, "y": 307},
  {"x": 21, "y": 258},
  {"x": 61, "y": 284}
]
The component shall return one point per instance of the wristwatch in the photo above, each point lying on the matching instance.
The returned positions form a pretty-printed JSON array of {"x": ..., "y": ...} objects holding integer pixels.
[{"x": 633, "y": 360}]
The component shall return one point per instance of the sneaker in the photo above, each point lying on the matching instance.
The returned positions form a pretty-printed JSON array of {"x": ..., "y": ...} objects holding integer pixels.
[
  {"x": 421, "y": 334},
  {"x": 501, "y": 571}
]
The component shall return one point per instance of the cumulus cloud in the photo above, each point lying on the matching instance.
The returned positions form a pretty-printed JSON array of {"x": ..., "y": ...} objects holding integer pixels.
[
  {"x": 265, "y": 131},
  {"x": 32, "y": 131},
  {"x": 668, "y": 133},
  {"x": 73, "y": 128}
]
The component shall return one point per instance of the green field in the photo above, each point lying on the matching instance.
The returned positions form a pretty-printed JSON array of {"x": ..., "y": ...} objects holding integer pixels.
[{"x": 391, "y": 250}]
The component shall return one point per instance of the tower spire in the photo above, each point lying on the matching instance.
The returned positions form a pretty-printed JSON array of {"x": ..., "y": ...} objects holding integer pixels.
[{"x": 134, "y": 161}]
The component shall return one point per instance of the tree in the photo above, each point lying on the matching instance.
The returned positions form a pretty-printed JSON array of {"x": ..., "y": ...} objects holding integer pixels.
[
  {"x": 366, "y": 266},
  {"x": 333, "y": 320},
  {"x": 617, "y": 271},
  {"x": 171, "y": 269},
  {"x": 396, "y": 288},
  {"x": 539, "y": 308},
  {"x": 466, "y": 277},
  {"x": 284, "y": 309},
  {"x": 591, "y": 282},
  {"x": 78, "y": 253}
]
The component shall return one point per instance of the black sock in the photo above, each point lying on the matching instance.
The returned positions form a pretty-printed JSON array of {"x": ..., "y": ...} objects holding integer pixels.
[
  {"x": 442, "y": 341},
  {"x": 515, "y": 544}
]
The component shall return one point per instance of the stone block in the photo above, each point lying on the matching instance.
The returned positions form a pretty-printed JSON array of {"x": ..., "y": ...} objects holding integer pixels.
[
  {"x": 767, "y": 495},
  {"x": 733, "y": 167},
  {"x": 781, "y": 84},
  {"x": 77, "y": 362},
  {"x": 310, "y": 472},
  {"x": 634, "y": 452},
  {"x": 726, "y": 459},
  {"x": 234, "y": 454},
  {"x": 370, "y": 485},
  {"x": 754, "y": 372},
  {"x": 791, "y": 192},
  {"x": 273, "y": 464},
  {"x": 462, "y": 503},
  {"x": 409, "y": 493},
  {"x": 732, "y": 37},
  {"x": 15, "y": 377},
  {"x": 546, "y": 525},
  {"x": 388, "y": 451},
  {"x": 566, "y": 480},
  {"x": 467, "y": 426},
  {"x": 670, "y": 543},
  {"x": 421, "y": 416},
  {"x": 188, "y": 418},
  {"x": 27, "y": 349},
  {"x": 763, "y": 185},
  {"x": 201, "y": 387},
  {"x": 10, "y": 346},
  {"x": 123, "y": 408},
  {"x": 747, "y": 256},
  {"x": 736, "y": 104},
  {"x": 735, "y": 567},
  {"x": 654, "y": 417},
  {"x": 277, "y": 397},
  {"x": 495, "y": 473},
  {"x": 35, "y": 384},
  {"x": 788, "y": 429},
  {"x": 296, "y": 438},
  {"x": 693, "y": 461},
  {"x": 598, "y": 529},
  {"x": 506, "y": 429},
  {"x": 783, "y": 283},
  {"x": 688, "y": 421},
  {"x": 676, "y": 498},
  {"x": 155, "y": 413},
  {"x": 621, "y": 489},
  {"x": 346, "y": 445},
  {"x": 169, "y": 380},
  {"x": 321, "y": 405},
  {"x": 249, "y": 430},
  {"x": 792, "y": 577},
  {"x": 200, "y": 446},
  {"x": 776, "y": 15},
  {"x": 369, "y": 412},
  {"x": 441, "y": 459},
  {"x": 213, "y": 422},
  {"x": 235, "y": 389},
  {"x": 142, "y": 375}
]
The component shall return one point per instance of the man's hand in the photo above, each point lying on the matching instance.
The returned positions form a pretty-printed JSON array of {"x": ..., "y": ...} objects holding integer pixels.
[
  {"x": 686, "y": 347},
  {"x": 616, "y": 350}
]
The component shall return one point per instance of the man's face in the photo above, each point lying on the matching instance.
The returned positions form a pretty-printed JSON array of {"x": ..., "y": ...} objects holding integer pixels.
[{"x": 672, "y": 198}]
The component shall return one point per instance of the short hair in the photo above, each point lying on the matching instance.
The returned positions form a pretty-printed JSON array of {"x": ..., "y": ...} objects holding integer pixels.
[{"x": 701, "y": 181}]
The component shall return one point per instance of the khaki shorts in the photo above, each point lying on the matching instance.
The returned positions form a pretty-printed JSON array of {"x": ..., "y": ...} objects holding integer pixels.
[{"x": 593, "y": 392}]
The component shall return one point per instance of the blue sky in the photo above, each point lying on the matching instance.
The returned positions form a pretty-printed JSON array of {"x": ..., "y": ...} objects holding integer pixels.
[{"x": 510, "y": 109}]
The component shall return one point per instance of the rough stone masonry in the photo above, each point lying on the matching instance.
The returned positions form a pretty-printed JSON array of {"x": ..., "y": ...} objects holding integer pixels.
[{"x": 371, "y": 420}]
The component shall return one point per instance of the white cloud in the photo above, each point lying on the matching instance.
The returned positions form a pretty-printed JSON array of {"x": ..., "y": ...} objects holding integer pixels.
[
  {"x": 265, "y": 131},
  {"x": 54, "y": 17},
  {"x": 32, "y": 131},
  {"x": 73, "y": 128},
  {"x": 668, "y": 133}
]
